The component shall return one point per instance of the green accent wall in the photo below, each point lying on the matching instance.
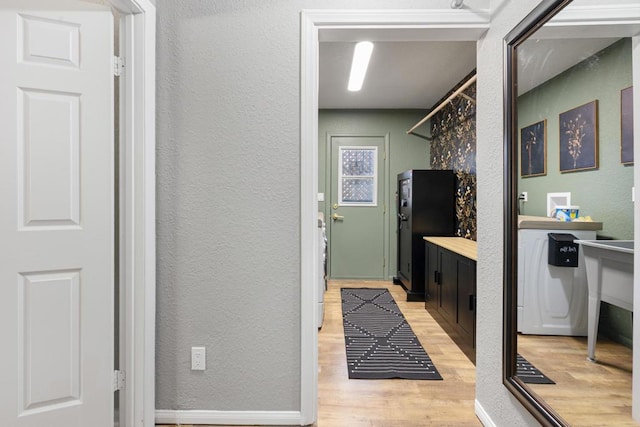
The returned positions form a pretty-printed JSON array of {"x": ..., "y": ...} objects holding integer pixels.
[
  {"x": 603, "y": 193},
  {"x": 405, "y": 152}
]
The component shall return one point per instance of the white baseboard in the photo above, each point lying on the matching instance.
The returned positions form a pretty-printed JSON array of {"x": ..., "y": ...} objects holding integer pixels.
[
  {"x": 482, "y": 415},
  {"x": 228, "y": 417}
]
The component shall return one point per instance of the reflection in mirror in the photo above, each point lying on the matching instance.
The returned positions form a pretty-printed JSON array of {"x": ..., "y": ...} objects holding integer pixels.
[{"x": 569, "y": 141}]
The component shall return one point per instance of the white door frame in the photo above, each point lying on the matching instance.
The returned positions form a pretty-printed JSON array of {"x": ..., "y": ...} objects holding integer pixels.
[
  {"x": 137, "y": 249},
  {"x": 426, "y": 25}
]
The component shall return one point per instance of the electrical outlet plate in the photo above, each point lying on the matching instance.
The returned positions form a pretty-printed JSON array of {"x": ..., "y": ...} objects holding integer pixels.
[{"x": 198, "y": 358}]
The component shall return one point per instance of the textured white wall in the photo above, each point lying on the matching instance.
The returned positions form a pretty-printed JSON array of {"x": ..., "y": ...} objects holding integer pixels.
[
  {"x": 228, "y": 165},
  {"x": 228, "y": 204},
  {"x": 495, "y": 399}
]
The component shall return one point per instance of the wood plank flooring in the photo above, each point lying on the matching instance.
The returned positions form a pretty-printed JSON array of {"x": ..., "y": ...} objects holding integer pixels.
[
  {"x": 391, "y": 403},
  {"x": 585, "y": 394}
]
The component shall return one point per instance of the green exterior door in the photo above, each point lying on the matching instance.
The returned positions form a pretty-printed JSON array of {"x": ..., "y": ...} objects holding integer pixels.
[{"x": 357, "y": 208}]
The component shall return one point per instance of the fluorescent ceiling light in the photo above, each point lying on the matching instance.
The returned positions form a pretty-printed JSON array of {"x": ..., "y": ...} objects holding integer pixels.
[{"x": 361, "y": 56}]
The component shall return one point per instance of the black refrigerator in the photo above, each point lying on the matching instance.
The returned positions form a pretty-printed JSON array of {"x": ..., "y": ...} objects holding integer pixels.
[{"x": 426, "y": 207}]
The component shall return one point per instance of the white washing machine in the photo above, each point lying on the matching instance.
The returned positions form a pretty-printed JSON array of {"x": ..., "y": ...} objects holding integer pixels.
[
  {"x": 322, "y": 267},
  {"x": 551, "y": 300}
]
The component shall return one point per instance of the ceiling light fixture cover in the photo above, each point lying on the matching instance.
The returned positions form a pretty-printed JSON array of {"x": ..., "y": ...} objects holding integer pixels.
[{"x": 361, "y": 56}]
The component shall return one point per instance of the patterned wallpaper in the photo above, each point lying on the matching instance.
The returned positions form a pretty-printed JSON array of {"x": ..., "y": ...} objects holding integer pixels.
[{"x": 454, "y": 147}]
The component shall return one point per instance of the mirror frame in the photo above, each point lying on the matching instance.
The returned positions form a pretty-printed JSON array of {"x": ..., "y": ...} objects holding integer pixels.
[{"x": 531, "y": 23}]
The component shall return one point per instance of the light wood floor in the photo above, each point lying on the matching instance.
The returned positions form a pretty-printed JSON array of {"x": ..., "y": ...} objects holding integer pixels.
[
  {"x": 391, "y": 403},
  {"x": 585, "y": 394}
]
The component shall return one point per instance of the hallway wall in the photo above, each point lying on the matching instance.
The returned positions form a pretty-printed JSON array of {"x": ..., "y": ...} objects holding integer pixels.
[{"x": 228, "y": 204}]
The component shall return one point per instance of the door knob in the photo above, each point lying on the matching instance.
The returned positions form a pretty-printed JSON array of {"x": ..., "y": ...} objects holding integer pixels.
[{"x": 335, "y": 217}]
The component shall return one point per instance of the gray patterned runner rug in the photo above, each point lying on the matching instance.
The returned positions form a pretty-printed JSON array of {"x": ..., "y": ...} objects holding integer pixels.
[{"x": 379, "y": 342}]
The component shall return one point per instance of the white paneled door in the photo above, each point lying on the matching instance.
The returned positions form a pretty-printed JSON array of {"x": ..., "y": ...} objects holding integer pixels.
[{"x": 56, "y": 215}]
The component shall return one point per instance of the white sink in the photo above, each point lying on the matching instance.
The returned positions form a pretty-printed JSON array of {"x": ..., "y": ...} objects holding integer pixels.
[{"x": 609, "y": 265}]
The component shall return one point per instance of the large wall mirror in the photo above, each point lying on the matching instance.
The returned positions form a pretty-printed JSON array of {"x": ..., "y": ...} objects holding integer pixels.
[{"x": 572, "y": 73}]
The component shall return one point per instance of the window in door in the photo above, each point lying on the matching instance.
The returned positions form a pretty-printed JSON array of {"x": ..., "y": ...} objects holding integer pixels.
[{"x": 357, "y": 171}]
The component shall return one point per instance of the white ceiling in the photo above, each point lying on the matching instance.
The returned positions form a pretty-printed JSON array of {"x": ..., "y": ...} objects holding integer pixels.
[
  {"x": 414, "y": 74},
  {"x": 542, "y": 59},
  {"x": 417, "y": 74}
]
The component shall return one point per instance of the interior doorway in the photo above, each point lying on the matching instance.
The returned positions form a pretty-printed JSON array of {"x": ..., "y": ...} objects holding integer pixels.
[{"x": 467, "y": 25}]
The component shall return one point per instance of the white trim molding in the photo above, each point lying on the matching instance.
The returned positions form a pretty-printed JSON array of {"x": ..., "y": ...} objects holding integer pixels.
[
  {"x": 598, "y": 14},
  {"x": 417, "y": 25},
  {"x": 483, "y": 416},
  {"x": 603, "y": 20},
  {"x": 308, "y": 221},
  {"x": 635, "y": 378},
  {"x": 137, "y": 210},
  {"x": 228, "y": 417},
  {"x": 334, "y": 25}
]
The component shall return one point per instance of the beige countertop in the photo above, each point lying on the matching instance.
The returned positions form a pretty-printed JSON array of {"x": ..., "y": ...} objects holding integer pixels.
[
  {"x": 465, "y": 247},
  {"x": 546, "y": 223}
]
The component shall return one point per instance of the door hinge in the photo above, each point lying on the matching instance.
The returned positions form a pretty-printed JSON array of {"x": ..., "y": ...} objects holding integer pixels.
[
  {"x": 118, "y": 380},
  {"x": 384, "y": 262},
  {"x": 384, "y": 209},
  {"x": 118, "y": 65},
  {"x": 384, "y": 155}
]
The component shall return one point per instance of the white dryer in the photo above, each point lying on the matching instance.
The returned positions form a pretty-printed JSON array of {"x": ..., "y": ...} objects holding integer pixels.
[{"x": 551, "y": 300}]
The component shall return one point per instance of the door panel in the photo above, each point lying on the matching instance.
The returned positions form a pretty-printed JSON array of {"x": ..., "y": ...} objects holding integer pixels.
[
  {"x": 405, "y": 232},
  {"x": 466, "y": 297},
  {"x": 48, "y": 162},
  {"x": 356, "y": 238},
  {"x": 448, "y": 286},
  {"x": 431, "y": 270},
  {"x": 57, "y": 220}
]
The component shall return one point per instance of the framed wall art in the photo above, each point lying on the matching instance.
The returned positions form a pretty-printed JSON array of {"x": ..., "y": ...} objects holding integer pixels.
[
  {"x": 626, "y": 125},
  {"x": 533, "y": 149},
  {"x": 579, "y": 138}
]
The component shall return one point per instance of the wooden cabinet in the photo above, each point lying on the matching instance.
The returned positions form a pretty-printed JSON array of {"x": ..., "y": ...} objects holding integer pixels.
[{"x": 450, "y": 288}]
